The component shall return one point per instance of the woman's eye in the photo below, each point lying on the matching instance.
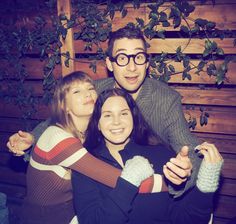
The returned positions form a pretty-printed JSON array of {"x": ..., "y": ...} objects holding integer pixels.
[
  {"x": 76, "y": 91},
  {"x": 125, "y": 113},
  {"x": 106, "y": 115}
]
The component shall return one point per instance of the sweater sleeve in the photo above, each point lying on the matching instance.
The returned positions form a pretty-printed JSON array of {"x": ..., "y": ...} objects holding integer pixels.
[
  {"x": 61, "y": 148},
  {"x": 179, "y": 135},
  {"x": 92, "y": 206}
]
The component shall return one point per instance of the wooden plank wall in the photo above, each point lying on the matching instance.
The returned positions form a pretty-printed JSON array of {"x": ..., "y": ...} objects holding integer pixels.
[{"x": 220, "y": 103}]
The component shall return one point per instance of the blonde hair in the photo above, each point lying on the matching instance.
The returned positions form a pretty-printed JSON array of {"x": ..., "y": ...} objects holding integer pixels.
[{"x": 59, "y": 114}]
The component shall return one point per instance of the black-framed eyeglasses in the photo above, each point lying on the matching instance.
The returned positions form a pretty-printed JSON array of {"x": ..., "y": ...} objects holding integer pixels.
[{"x": 123, "y": 59}]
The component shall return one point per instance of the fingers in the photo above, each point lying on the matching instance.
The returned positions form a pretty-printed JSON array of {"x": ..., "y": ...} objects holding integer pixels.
[
  {"x": 172, "y": 177},
  {"x": 210, "y": 152},
  {"x": 184, "y": 151},
  {"x": 14, "y": 150}
]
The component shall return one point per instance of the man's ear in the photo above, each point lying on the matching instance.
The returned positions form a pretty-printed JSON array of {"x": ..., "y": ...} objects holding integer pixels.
[
  {"x": 109, "y": 65},
  {"x": 147, "y": 65}
]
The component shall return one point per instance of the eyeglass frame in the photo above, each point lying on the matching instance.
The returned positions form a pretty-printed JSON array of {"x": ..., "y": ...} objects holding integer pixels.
[{"x": 114, "y": 59}]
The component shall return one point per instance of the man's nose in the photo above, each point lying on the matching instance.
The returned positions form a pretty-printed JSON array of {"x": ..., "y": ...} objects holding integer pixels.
[{"x": 131, "y": 66}]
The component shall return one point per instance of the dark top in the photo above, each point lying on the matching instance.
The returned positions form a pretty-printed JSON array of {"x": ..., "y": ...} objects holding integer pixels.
[{"x": 96, "y": 203}]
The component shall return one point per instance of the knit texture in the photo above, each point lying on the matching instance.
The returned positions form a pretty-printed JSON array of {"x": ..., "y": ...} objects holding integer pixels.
[
  {"x": 208, "y": 176},
  {"x": 136, "y": 170}
]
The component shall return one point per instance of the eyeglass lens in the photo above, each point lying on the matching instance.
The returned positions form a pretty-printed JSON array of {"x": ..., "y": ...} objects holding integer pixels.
[{"x": 123, "y": 59}]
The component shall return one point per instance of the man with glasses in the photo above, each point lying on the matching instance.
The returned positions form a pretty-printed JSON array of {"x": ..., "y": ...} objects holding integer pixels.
[{"x": 161, "y": 106}]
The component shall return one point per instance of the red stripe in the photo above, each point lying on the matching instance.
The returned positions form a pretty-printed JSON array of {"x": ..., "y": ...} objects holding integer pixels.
[
  {"x": 61, "y": 146},
  {"x": 147, "y": 185}
]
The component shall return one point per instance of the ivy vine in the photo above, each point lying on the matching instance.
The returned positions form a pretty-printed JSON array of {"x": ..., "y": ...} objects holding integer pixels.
[{"x": 92, "y": 21}]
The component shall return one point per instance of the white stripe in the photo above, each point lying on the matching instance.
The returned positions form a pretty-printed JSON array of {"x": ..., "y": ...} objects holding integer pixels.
[
  {"x": 60, "y": 171},
  {"x": 74, "y": 220},
  {"x": 157, "y": 183},
  {"x": 51, "y": 137},
  {"x": 73, "y": 158}
]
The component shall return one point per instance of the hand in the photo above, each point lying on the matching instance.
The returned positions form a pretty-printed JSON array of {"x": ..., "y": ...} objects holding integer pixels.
[
  {"x": 178, "y": 169},
  {"x": 136, "y": 170},
  {"x": 210, "y": 153},
  {"x": 209, "y": 172},
  {"x": 19, "y": 142}
]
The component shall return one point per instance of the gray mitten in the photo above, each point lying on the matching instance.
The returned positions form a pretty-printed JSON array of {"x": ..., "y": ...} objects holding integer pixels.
[
  {"x": 208, "y": 176},
  {"x": 136, "y": 170}
]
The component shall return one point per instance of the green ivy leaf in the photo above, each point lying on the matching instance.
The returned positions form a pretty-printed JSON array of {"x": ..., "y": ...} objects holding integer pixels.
[
  {"x": 177, "y": 22},
  {"x": 161, "y": 34},
  {"x": 124, "y": 13},
  {"x": 184, "y": 29},
  {"x": 172, "y": 68},
  {"x": 140, "y": 22},
  {"x": 201, "y": 65},
  {"x": 220, "y": 51}
]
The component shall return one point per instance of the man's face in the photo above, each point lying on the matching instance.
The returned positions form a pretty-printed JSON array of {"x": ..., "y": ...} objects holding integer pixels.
[{"x": 130, "y": 77}]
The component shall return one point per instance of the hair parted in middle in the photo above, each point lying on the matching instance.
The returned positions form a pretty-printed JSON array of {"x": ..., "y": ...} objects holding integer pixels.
[
  {"x": 142, "y": 133},
  {"x": 59, "y": 114},
  {"x": 130, "y": 32}
]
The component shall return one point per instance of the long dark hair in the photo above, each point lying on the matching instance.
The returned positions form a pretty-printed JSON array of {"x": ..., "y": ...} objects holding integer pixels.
[{"x": 142, "y": 133}]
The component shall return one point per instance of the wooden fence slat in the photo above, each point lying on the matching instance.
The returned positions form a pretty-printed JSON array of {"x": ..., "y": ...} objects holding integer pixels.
[
  {"x": 220, "y": 122},
  {"x": 228, "y": 187},
  {"x": 225, "y": 143},
  {"x": 35, "y": 70},
  {"x": 226, "y": 207},
  {"x": 229, "y": 168},
  {"x": 64, "y": 7},
  {"x": 195, "y": 46},
  {"x": 217, "y": 97},
  {"x": 212, "y": 13}
]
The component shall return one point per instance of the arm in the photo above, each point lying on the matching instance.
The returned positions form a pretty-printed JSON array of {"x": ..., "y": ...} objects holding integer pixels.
[
  {"x": 92, "y": 207},
  {"x": 21, "y": 141},
  {"x": 179, "y": 135},
  {"x": 67, "y": 151},
  {"x": 94, "y": 204},
  {"x": 197, "y": 205}
]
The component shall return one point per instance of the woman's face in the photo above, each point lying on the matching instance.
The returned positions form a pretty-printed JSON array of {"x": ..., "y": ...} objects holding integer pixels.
[
  {"x": 116, "y": 121},
  {"x": 80, "y": 99}
]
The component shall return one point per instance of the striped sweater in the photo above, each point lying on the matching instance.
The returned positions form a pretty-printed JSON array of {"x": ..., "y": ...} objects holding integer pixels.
[{"x": 56, "y": 153}]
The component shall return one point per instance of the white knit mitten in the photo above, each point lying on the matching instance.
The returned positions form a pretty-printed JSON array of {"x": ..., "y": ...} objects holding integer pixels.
[
  {"x": 208, "y": 176},
  {"x": 136, "y": 170}
]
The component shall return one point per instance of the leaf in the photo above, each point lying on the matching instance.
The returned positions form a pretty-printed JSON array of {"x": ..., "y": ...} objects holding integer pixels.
[
  {"x": 124, "y": 13},
  {"x": 184, "y": 29},
  {"x": 210, "y": 25},
  {"x": 161, "y": 34},
  {"x": 177, "y": 22},
  {"x": 186, "y": 61},
  {"x": 202, "y": 120},
  {"x": 165, "y": 24},
  {"x": 201, "y": 65},
  {"x": 140, "y": 22},
  {"x": 172, "y": 68},
  {"x": 201, "y": 22},
  {"x": 163, "y": 17},
  {"x": 220, "y": 51}
]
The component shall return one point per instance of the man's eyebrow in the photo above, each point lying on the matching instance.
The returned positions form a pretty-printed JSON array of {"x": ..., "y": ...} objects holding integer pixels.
[{"x": 124, "y": 49}]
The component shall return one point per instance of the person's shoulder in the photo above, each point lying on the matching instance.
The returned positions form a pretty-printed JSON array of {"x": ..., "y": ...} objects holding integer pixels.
[
  {"x": 160, "y": 87},
  {"x": 52, "y": 136},
  {"x": 102, "y": 84}
]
